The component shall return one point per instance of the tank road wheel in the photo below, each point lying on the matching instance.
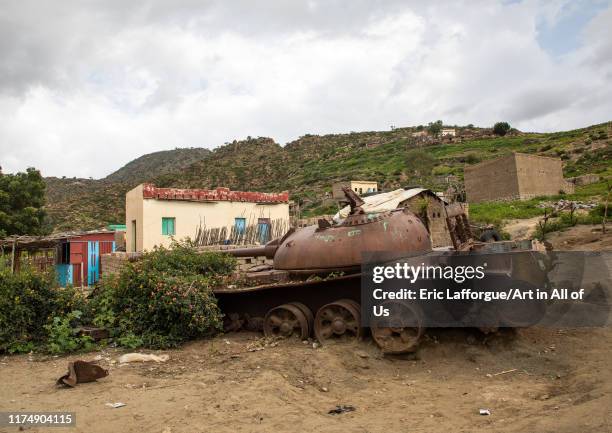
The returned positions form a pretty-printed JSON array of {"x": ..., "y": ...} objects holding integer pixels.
[
  {"x": 285, "y": 321},
  {"x": 338, "y": 320},
  {"x": 308, "y": 313},
  {"x": 399, "y": 339}
]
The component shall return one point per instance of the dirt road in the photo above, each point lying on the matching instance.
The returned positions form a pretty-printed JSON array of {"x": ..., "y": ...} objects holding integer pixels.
[{"x": 535, "y": 380}]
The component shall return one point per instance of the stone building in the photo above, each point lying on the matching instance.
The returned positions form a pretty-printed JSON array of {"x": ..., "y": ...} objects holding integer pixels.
[{"x": 517, "y": 176}]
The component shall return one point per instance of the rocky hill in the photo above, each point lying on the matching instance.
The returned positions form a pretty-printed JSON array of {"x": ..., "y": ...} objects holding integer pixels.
[
  {"x": 162, "y": 162},
  {"x": 88, "y": 204},
  {"x": 307, "y": 167}
]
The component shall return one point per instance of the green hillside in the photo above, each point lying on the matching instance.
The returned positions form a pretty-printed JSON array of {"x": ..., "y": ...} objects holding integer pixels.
[{"x": 307, "y": 167}]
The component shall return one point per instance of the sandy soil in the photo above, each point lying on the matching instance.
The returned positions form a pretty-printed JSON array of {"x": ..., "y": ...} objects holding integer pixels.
[
  {"x": 521, "y": 229},
  {"x": 582, "y": 238},
  {"x": 531, "y": 380},
  {"x": 554, "y": 380}
]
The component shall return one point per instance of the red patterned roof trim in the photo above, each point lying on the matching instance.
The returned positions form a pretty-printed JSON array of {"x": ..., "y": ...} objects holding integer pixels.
[{"x": 219, "y": 194}]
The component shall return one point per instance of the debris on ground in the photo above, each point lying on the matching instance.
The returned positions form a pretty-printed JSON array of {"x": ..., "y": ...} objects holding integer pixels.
[
  {"x": 504, "y": 372},
  {"x": 340, "y": 409},
  {"x": 116, "y": 405},
  {"x": 484, "y": 412},
  {"x": 81, "y": 372},
  {"x": 567, "y": 205},
  {"x": 261, "y": 344},
  {"x": 142, "y": 357}
]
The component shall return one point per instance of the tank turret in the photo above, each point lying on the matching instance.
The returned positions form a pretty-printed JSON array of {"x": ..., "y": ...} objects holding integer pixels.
[{"x": 328, "y": 247}]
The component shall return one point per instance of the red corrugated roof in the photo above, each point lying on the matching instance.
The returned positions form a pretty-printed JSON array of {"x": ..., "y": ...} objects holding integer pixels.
[{"x": 218, "y": 194}]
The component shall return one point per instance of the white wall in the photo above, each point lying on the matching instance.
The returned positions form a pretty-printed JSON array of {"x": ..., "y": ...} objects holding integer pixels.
[
  {"x": 188, "y": 216},
  {"x": 134, "y": 212}
]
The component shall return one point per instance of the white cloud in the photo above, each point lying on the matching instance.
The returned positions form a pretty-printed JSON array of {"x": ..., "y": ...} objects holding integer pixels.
[{"x": 83, "y": 91}]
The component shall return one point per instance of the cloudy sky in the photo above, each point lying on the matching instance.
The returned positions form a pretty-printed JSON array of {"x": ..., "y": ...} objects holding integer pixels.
[{"x": 86, "y": 86}]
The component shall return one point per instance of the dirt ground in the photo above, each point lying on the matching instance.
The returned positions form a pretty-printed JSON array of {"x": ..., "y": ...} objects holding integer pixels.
[
  {"x": 531, "y": 380},
  {"x": 535, "y": 380},
  {"x": 582, "y": 238},
  {"x": 521, "y": 228}
]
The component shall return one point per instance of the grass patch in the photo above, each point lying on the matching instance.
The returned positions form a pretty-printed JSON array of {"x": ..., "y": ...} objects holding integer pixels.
[{"x": 496, "y": 212}]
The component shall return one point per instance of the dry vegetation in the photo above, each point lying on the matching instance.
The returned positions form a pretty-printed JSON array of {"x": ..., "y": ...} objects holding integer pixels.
[{"x": 308, "y": 166}]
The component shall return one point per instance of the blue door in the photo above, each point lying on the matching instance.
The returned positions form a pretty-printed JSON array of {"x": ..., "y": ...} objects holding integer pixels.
[
  {"x": 64, "y": 274},
  {"x": 93, "y": 262},
  {"x": 240, "y": 224},
  {"x": 264, "y": 232}
]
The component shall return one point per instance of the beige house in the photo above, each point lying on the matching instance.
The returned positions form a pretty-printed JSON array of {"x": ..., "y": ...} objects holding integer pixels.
[
  {"x": 359, "y": 186},
  {"x": 448, "y": 132},
  {"x": 518, "y": 176},
  {"x": 155, "y": 216}
]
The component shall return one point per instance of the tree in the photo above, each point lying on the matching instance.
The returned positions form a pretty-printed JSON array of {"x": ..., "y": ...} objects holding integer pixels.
[
  {"x": 501, "y": 128},
  {"x": 435, "y": 128},
  {"x": 22, "y": 197},
  {"x": 419, "y": 163}
]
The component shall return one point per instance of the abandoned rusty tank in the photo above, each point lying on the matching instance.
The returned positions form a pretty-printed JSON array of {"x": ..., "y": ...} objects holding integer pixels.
[{"x": 313, "y": 287}]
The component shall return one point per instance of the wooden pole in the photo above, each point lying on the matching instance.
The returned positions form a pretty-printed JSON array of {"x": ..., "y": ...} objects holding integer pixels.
[
  {"x": 605, "y": 216},
  {"x": 13, "y": 258}
]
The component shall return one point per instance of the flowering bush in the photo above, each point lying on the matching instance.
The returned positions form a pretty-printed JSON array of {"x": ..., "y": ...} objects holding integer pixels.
[
  {"x": 29, "y": 302},
  {"x": 163, "y": 299}
]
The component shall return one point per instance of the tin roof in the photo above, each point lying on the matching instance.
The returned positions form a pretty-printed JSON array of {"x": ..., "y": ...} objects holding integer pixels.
[
  {"x": 46, "y": 241},
  {"x": 384, "y": 201},
  {"x": 218, "y": 194}
]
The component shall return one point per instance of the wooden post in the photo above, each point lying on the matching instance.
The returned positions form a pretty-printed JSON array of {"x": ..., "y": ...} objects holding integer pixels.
[
  {"x": 605, "y": 216},
  {"x": 13, "y": 258}
]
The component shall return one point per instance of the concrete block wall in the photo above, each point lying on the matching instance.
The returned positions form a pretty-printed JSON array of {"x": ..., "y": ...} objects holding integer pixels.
[
  {"x": 492, "y": 180},
  {"x": 540, "y": 175},
  {"x": 113, "y": 263},
  {"x": 244, "y": 263},
  {"x": 516, "y": 176}
]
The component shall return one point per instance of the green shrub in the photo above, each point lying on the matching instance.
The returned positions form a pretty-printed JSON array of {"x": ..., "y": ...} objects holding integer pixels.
[
  {"x": 420, "y": 163},
  {"x": 441, "y": 170},
  {"x": 566, "y": 219},
  {"x": 501, "y": 128},
  {"x": 164, "y": 299},
  {"x": 63, "y": 336},
  {"x": 471, "y": 159},
  {"x": 545, "y": 148},
  {"x": 29, "y": 301}
]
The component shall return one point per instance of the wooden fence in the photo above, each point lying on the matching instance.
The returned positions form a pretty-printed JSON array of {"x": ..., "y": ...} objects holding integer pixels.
[{"x": 253, "y": 232}]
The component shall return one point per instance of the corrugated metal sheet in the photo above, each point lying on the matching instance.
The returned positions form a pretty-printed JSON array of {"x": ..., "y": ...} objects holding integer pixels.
[{"x": 383, "y": 202}]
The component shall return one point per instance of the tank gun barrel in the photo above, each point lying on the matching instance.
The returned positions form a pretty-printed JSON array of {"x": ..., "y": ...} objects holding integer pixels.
[{"x": 267, "y": 250}]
